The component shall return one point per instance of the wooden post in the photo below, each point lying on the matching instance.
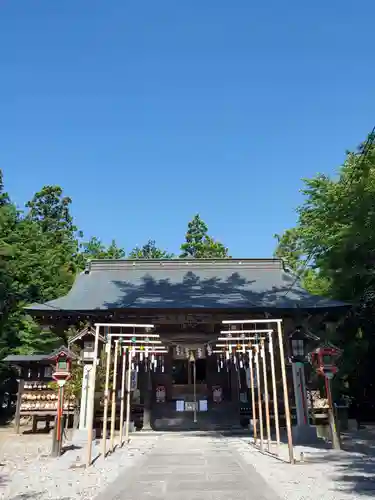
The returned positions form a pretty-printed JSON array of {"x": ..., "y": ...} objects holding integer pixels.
[
  {"x": 285, "y": 390},
  {"x": 34, "y": 425},
  {"x": 17, "y": 420},
  {"x": 60, "y": 412},
  {"x": 268, "y": 426},
  {"x": 251, "y": 367},
  {"x": 260, "y": 409},
  {"x": 91, "y": 399},
  {"x": 106, "y": 396},
  {"x": 114, "y": 394},
  {"x": 123, "y": 352},
  {"x": 128, "y": 387},
  {"x": 336, "y": 445},
  {"x": 274, "y": 390}
]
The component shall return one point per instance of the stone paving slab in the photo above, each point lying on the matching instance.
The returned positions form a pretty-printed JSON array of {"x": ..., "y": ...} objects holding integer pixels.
[{"x": 190, "y": 468}]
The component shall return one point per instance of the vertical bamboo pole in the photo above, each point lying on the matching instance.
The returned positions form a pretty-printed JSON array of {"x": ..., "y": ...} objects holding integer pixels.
[
  {"x": 91, "y": 399},
  {"x": 266, "y": 399},
  {"x": 254, "y": 411},
  {"x": 106, "y": 396},
  {"x": 285, "y": 390},
  {"x": 274, "y": 390},
  {"x": 260, "y": 409},
  {"x": 128, "y": 387},
  {"x": 195, "y": 390},
  {"x": 123, "y": 371},
  {"x": 114, "y": 395}
]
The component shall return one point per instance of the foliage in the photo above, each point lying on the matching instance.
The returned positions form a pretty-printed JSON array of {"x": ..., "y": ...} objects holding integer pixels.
[
  {"x": 332, "y": 248},
  {"x": 41, "y": 252},
  {"x": 199, "y": 245},
  {"x": 149, "y": 251},
  {"x": 95, "y": 249}
]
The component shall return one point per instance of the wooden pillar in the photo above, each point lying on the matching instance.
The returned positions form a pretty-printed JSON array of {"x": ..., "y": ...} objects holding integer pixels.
[
  {"x": 17, "y": 420},
  {"x": 91, "y": 399},
  {"x": 285, "y": 391}
]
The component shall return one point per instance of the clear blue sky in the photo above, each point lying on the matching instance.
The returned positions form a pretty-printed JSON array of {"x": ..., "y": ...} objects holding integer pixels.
[{"x": 147, "y": 112}]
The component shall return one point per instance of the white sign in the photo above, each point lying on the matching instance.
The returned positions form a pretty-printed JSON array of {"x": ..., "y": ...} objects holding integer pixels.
[
  {"x": 180, "y": 405},
  {"x": 203, "y": 405}
]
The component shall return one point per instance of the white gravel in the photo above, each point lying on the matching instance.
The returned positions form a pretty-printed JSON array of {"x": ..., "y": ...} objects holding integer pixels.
[
  {"x": 324, "y": 474},
  {"x": 27, "y": 470}
]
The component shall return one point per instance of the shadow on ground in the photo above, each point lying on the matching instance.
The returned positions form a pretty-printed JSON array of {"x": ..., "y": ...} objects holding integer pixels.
[{"x": 354, "y": 464}]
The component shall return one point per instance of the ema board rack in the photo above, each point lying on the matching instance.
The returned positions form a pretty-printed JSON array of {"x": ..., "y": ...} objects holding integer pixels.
[{"x": 40, "y": 398}]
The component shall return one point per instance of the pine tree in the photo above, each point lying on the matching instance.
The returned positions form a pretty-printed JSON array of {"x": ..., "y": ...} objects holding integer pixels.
[{"x": 199, "y": 245}]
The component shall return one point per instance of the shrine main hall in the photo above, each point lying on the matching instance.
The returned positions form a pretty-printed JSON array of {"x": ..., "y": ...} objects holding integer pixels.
[{"x": 187, "y": 302}]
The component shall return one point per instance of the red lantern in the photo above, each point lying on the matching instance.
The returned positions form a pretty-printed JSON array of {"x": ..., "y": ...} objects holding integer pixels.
[
  {"x": 63, "y": 365},
  {"x": 324, "y": 360}
]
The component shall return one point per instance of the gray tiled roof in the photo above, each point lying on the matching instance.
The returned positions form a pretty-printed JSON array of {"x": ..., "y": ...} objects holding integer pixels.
[
  {"x": 25, "y": 358},
  {"x": 185, "y": 284},
  {"x": 28, "y": 358}
]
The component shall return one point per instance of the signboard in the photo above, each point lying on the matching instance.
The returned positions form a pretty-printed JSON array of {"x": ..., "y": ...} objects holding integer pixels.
[
  {"x": 180, "y": 405},
  {"x": 217, "y": 394},
  {"x": 190, "y": 406},
  {"x": 160, "y": 394},
  {"x": 203, "y": 405}
]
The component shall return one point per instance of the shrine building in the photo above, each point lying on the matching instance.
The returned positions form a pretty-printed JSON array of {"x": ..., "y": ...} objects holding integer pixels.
[{"x": 187, "y": 301}]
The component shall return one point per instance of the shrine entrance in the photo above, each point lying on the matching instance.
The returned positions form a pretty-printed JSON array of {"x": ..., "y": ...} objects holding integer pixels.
[{"x": 189, "y": 376}]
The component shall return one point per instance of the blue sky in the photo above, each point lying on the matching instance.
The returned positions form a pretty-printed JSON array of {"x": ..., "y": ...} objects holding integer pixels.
[{"x": 147, "y": 112}]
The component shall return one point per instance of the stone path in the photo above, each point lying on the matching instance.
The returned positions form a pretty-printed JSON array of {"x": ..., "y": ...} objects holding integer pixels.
[{"x": 190, "y": 467}]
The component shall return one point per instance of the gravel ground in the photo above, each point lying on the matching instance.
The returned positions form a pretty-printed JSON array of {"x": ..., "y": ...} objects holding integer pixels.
[
  {"x": 27, "y": 471},
  {"x": 324, "y": 474}
]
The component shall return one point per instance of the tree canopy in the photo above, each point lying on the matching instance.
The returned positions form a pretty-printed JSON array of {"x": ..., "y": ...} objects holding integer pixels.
[
  {"x": 332, "y": 248},
  {"x": 42, "y": 250},
  {"x": 199, "y": 245}
]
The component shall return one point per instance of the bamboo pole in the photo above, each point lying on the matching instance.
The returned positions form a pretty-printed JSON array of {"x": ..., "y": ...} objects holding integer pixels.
[
  {"x": 274, "y": 390},
  {"x": 285, "y": 390},
  {"x": 91, "y": 399},
  {"x": 251, "y": 367},
  {"x": 114, "y": 394},
  {"x": 106, "y": 397},
  {"x": 123, "y": 371},
  {"x": 266, "y": 398},
  {"x": 260, "y": 409},
  {"x": 128, "y": 387}
]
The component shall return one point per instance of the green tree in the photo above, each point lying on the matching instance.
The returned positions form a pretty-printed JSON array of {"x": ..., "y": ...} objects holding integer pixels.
[
  {"x": 8, "y": 290},
  {"x": 149, "y": 251},
  {"x": 332, "y": 248},
  {"x": 199, "y": 245},
  {"x": 95, "y": 249}
]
